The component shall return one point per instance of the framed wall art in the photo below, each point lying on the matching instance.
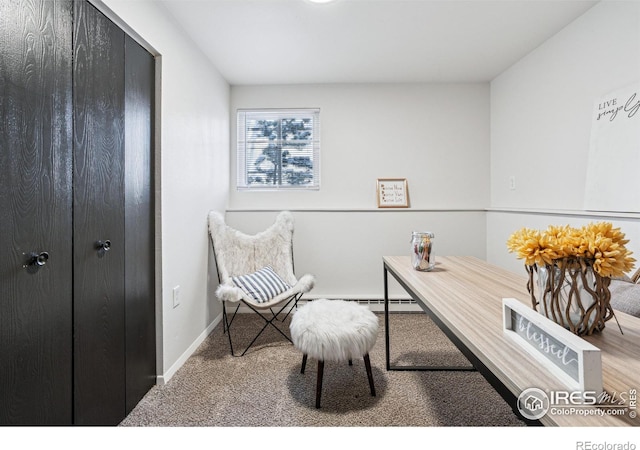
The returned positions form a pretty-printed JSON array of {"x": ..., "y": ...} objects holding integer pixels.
[{"x": 392, "y": 193}]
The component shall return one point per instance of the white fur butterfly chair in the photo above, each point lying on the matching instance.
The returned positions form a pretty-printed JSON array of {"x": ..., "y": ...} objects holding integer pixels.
[{"x": 257, "y": 271}]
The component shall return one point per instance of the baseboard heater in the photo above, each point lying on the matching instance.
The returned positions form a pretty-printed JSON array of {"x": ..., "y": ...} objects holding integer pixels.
[
  {"x": 395, "y": 305},
  {"x": 376, "y": 305},
  {"x": 380, "y": 301}
]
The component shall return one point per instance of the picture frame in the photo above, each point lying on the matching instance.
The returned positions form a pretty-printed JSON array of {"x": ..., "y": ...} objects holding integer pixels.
[{"x": 392, "y": 193}]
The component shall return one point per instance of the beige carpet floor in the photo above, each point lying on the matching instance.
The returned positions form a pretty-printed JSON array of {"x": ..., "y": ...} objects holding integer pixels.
[{"x": 265, "y": 388}]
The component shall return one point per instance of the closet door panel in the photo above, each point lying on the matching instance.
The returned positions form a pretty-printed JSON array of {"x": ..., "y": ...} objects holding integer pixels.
[
  {"x": 139, "y": 223},
  {"x": 98, "y": 232},
  {"x": 35, "y": 212}
]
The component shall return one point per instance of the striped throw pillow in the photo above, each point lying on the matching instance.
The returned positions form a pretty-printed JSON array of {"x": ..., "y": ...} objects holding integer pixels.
[{"x": 262, "y": 285}]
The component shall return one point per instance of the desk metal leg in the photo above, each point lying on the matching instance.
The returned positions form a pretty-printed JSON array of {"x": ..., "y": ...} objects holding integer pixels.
[
  {"x": 386, "y": 318},
  {"x": 386, "y": 337}
]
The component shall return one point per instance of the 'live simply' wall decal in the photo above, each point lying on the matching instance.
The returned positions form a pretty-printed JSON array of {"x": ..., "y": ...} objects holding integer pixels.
[{"x": 612, "y": 183}]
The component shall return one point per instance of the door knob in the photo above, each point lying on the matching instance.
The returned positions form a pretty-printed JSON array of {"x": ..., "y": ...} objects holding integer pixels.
[
  {"x": 39, "y": 259},
  {"x": 104, "y": 245},
  {"x": 36, "y": 260}
]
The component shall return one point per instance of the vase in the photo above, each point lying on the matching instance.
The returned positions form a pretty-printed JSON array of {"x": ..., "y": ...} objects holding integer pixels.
[{"x": 572, "y": 294}]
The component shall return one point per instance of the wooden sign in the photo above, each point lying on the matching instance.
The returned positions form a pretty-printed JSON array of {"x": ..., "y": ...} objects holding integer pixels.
[
  {"x": 392, "y": 193},
  {"x": 574, "y": 361}
]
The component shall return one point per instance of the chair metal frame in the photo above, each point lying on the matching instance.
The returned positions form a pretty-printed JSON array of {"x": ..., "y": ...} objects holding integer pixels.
[{"x": 268, "y": 321}]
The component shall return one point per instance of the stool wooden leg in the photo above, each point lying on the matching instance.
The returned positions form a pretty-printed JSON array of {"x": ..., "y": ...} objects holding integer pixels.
[
  {"x": 319, "y": 383},
  {"x": 304, "y": 363},
  {"x": 367, "y": 364}
]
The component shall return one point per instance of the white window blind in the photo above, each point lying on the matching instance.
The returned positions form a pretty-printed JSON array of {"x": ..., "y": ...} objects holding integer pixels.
[{"x": 278, "y": 149}]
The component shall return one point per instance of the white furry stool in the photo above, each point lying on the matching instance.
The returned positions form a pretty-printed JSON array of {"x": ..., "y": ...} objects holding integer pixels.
[{"x": 334, "y": 330}]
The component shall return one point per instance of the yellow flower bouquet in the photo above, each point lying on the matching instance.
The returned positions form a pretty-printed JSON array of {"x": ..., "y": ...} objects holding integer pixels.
[{"x": 574, "y": 267}]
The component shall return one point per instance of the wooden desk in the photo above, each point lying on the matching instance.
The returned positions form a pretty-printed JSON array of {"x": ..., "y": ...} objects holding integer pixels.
[{"x": 463, "y": 295}]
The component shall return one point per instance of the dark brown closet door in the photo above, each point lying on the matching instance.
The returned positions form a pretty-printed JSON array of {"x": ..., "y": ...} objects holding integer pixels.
[
  {"x": 35, "y": 212},
  {"x": 98, "y": 215},
  {"x": 139, "y": 224}
]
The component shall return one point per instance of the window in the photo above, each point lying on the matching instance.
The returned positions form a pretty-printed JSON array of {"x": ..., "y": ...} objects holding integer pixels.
[{"x": 279, "y": 149}]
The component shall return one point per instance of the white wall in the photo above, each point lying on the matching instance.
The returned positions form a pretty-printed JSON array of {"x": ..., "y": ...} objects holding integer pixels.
[
  {"x": 434, "y": 135},
  {"x": 540, "y": 125},
  {"x": 194, "y": 176}
]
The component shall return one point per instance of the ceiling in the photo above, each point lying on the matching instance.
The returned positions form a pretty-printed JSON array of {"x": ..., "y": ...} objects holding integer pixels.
[{"x": 254, "y": 42}]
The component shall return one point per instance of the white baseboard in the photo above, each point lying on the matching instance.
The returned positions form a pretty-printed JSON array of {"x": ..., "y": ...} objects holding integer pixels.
[{"x": 164, "y": 379}]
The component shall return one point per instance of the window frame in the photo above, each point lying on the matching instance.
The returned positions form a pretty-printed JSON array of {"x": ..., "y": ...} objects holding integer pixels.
[{"x": 242, "y": 146}]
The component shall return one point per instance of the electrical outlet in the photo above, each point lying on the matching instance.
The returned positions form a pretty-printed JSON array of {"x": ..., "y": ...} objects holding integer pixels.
[
  {"x": 512, "y": 183},
  {"x": 176, "y": 296}
]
